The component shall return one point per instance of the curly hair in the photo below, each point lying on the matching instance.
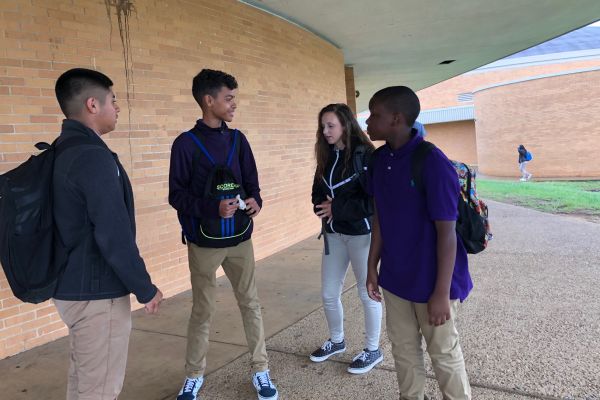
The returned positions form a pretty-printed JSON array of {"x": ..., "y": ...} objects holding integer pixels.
[{"x": 209, "y": 81}]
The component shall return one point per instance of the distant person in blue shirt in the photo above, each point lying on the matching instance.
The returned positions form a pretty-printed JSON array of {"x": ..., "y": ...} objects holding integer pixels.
[{"x": 524, "y": 158}]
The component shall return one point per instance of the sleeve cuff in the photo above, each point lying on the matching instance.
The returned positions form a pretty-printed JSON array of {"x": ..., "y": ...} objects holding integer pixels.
[{"x": 146, "y": 297}]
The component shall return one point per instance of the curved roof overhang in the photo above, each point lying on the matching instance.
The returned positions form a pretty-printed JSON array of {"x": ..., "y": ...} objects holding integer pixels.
[{"x": 405, "y": 42}]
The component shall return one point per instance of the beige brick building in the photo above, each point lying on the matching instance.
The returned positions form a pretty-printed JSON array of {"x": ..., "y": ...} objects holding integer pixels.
[
  {"x": 543, "y": 98},
  {"x": 152, "y": 49},
  {"x": 286, "y": 75}
]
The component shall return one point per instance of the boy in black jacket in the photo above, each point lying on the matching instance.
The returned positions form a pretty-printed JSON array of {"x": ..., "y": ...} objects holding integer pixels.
[{"x": 94, "y": 215}]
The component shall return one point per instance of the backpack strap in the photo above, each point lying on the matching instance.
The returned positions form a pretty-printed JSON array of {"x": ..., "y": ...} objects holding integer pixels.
[
  {"x": 469, "y": 184},
  {"x": 201, "y": 146},
  {"x": 358, "y": 161},
  {"x": 417, "y": 162},
  {"x": 235, "y": 149},
  {"x": 65, "y": 144}
]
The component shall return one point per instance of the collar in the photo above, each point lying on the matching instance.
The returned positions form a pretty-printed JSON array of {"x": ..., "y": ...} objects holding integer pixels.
[
  {"x": 71, "y": 127},
  {"x": 408, "y": 147},
  {"x": 202, "y": 127}
]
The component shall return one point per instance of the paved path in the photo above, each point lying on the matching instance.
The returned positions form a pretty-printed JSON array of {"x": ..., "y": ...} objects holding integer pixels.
[{"x": 530, "y": 329}]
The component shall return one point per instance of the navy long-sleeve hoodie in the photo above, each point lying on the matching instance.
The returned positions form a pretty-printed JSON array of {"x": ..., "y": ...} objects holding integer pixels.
[{"x": 190, "y": 168}]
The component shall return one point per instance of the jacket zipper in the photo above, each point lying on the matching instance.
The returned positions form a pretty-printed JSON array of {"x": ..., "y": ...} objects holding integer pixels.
[{"x": 337, "y": 157}]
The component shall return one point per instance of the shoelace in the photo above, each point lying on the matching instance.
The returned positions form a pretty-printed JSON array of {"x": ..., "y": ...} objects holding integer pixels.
[
  {"x": 189, "y": 385},
  {"x": 362, "y": 357},
  {"x": 327, "y": 345},
  {"x": 267, "y": 380}
]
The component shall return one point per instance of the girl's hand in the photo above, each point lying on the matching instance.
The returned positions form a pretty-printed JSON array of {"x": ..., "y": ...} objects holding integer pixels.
[{"x": 325, "y": 209}]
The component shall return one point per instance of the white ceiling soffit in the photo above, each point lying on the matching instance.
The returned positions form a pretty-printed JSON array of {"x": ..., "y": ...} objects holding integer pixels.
[{"x": 402, "y": 42}]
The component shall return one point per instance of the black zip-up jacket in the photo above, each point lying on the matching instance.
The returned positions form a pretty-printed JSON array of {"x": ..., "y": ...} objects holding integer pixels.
[
  {"x": 351, "y": 207},
  {"x": 94, "y": 215}
]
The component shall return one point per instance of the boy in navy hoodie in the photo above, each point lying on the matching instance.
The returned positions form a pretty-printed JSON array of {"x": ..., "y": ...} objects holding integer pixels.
[{"x": 213, "y": 185}]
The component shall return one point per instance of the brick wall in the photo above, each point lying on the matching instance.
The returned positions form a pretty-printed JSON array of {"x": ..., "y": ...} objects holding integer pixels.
[
  {"x": 460, "y": 138},
  {"x": 350, "y": 88},
  {"x": 285, "y": 74},
  {"x": 555, "y": 118},
  {"x": 455, "y": 139},
  {"x": 445, "y": 94}
]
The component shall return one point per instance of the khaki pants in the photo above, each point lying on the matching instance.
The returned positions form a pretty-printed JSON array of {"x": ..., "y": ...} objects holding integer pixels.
[
  {"x": 238, "y": 264},
  {"x": 407, "y": 323},
  {"x": 99, "y": 338}
]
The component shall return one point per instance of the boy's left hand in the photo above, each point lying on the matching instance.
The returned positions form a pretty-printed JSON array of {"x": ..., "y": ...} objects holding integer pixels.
[
  {"x": 438, "y": 308},
  {"x": 252, "y": 207}
]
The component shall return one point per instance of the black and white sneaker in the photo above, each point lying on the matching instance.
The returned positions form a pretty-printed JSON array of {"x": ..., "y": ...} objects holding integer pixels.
[
  {"x": 265, "y": 389},
  {"x": 365, "y": 361},
  {"x": 328, "y": 349},
  {"x": 190, "y": 389}
]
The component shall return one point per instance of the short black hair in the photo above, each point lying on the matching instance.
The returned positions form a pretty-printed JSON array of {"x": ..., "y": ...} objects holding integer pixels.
[
  {"x": 209, "y": 81},
  {"x": 399, "y": 99},
  {"x": 74, "y": 83}
]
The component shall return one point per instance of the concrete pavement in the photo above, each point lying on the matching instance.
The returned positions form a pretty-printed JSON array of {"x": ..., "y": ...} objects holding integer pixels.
[{"x": 529, "y": 329}]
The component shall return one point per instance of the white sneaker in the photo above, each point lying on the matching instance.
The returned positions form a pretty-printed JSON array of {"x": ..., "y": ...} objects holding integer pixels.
[
  {"x": 523, "y": 179},
  {"x": 264, "y": 387},
  {"x": 190, "y": 388}
]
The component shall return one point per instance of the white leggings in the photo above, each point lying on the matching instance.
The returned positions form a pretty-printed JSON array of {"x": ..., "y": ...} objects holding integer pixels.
[
  {"x": 522, "y": 167},
  {"x": 344, "y": 249}
]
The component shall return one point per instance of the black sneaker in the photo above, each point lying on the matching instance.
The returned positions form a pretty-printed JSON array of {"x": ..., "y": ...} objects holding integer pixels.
[
  {"x": 328, "y": 349},
  {"x": 365, "y": 361}
]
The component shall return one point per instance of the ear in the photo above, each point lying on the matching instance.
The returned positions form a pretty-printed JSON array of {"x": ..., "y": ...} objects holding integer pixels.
[
  {"x": 398, "y": 119},
  {"x": 91, "y": 105},
  {"x": 208, "y": 100}
]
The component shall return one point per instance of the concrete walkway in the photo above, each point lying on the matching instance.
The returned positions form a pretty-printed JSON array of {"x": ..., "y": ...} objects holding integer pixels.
[{"x": 530, "y": 329}]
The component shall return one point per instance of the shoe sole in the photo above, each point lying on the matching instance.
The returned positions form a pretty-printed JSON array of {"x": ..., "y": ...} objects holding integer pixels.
[
  {"x": 321, "y": 359},
  {"x": 268, "y": 398},
  {"x": 358, "y": 371}
]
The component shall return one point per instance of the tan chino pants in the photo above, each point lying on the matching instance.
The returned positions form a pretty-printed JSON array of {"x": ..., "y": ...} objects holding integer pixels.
[
  {"x": 99, "y": 339},
  {"x": 238, "y": 264},
  {"x": 407, "y": 323}
]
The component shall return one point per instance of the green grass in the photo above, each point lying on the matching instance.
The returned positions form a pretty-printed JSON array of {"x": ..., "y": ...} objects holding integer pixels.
[{"x": 577, "y": 197}]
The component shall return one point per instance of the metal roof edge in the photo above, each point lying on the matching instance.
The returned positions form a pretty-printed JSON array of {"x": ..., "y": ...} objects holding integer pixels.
[
  {"x": 536, "y": 77},
  {"x": 555, "y": 58},
  {"x": 447, "y": 114}
]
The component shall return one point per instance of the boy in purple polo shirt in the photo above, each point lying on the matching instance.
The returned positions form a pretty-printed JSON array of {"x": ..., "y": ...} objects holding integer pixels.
[{"x": 424, "y": 269}]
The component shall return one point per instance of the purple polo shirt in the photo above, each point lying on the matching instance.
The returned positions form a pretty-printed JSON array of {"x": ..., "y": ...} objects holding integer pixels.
[{"x": 406, "y": 218}]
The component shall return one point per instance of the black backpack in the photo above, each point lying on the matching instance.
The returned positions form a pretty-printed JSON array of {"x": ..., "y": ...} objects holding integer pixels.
[
  {"x": 31, "y": 252},
  {"x": 360, "y": 164},
  {"x": 210, "y": 231},
  {"x": 472, "y": 224}
]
